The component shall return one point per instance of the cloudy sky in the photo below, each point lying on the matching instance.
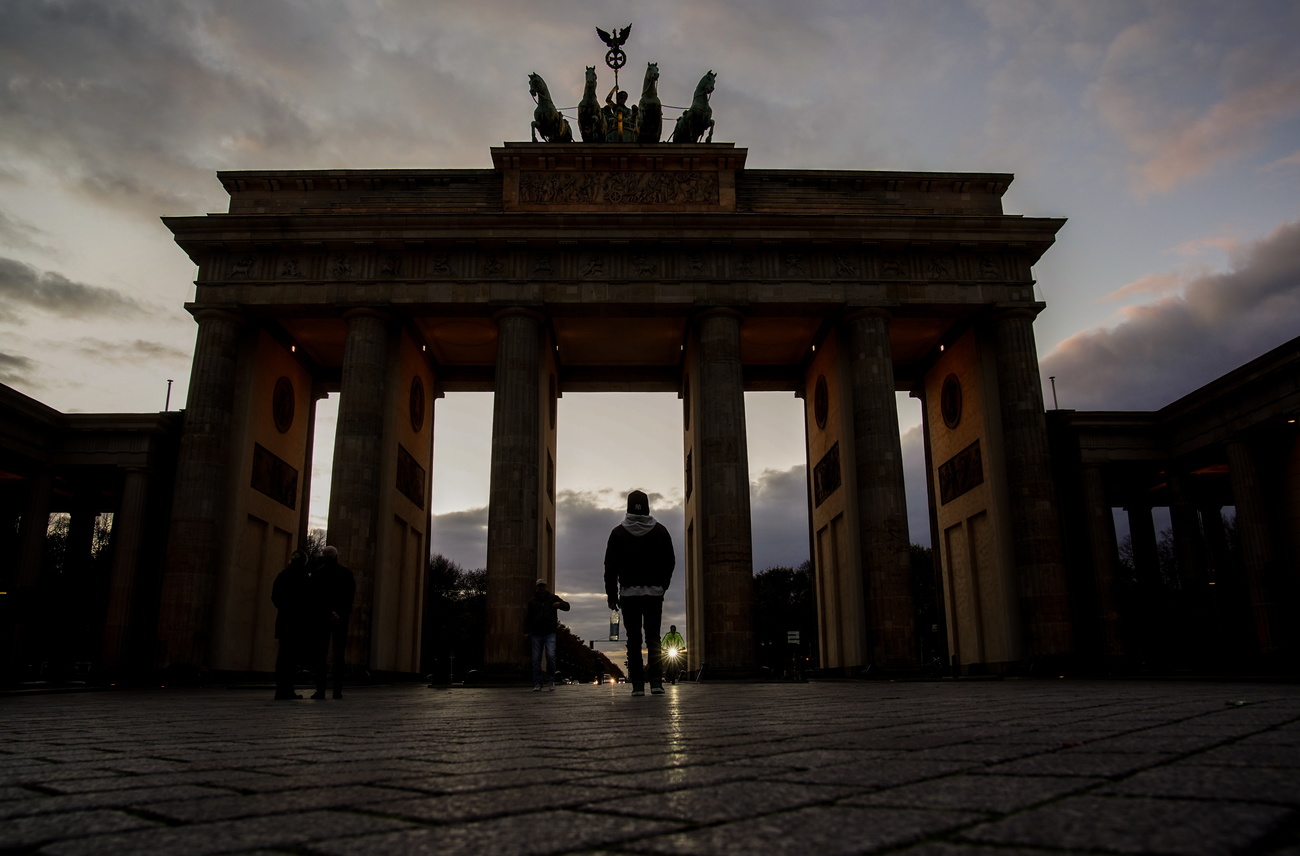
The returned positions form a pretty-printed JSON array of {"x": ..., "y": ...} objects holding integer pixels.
[{"x": 1168, "y": 132}]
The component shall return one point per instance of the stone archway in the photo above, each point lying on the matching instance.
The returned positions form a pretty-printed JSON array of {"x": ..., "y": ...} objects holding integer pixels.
[{"x": 621, "y": 267}]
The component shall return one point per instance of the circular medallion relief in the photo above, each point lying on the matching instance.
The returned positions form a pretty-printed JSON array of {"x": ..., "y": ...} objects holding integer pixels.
[
  {"x": 950, "y": 401},
  {"x": 821, "y": 402},
  {"x": 417, "y": 403},
  {"x": 282, "y": 405}
]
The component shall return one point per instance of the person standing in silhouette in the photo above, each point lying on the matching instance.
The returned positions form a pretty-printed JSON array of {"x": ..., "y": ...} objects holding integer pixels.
[
  {"x": 639, "y": 562},
  {"x": 333, "y": 590},
  {"x": 292, "y": 623},
  {"x": 541, "y": 623}
]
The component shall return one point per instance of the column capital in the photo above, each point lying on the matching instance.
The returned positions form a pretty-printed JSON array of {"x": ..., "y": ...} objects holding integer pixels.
[
  {"x": 368, "y": 312},
  {"x": 217, "y": 313},
  {"x": 718, "y": 312},
  {"x": 517, "y": 312},
  {"x": 1027, "y": 312},
  {"x": 868, "y": 312}
]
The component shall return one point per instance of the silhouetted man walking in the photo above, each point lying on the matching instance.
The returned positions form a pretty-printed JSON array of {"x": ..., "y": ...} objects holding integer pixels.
[{"x": 639, "y": 562}]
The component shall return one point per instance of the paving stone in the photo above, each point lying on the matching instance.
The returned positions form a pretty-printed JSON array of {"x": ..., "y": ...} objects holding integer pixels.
[
  {"x": 987, "y": 793},
  {"x": 729, "y": 801},
  {"x": 228, "y": 836},
  {"x": 226, "y": 807},
  {"x": 54, "y": 773},
  {"x": 945, "y": 848},
  {"x": 448, "y": 784},
  {"x": 809, "y": 759},
  {"x": 128, "y": 798},
  {"x": 486, "y": 804},
  {"x": 520, "y": 835},
  {"x": 1276, "y": 786},
  {"x": 825, "y": 831},
  {"x": 1071, "y": 762},
  {"x": 237, "y": 779},
  {"x": 945, "y": 768},
  {"x": 1136, "y": 825},
  {"x": 31, "y": 831},
  {"x": 987, "y": 753},
  {"x": 875, "y": 774},
  {"x": 1251, "y": 755}
]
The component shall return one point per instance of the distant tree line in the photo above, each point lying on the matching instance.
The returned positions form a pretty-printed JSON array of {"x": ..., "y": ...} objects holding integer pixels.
[
  {"x": 785, "y": 602},
  {"x": 455, "y": 630}
]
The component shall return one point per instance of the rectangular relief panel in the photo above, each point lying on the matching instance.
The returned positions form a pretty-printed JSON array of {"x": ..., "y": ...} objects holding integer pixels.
[
  {"x": 826, "y": 475},
  {"x": 410, "y": 477},
  {"x": 961, "y": 473},
  {"x": 274, "y": 477},
  {"x": 964, "y": 636},
  {"x": 826, "y": 571}
]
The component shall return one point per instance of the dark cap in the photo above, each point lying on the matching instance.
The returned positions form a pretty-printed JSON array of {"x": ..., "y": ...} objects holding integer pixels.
[{"x": 638, "y": 503}]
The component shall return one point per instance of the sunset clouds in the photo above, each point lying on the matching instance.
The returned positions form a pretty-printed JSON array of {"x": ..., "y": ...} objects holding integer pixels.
[
  {"x": 1166, "y": 131},
  {"x": 1192, "y": 330}
]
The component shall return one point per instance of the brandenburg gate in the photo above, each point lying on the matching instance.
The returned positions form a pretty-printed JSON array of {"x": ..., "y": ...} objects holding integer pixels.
[{"x": 628, "y": 267}]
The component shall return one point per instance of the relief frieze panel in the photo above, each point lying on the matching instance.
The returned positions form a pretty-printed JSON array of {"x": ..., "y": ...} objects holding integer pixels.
[
  {"x": 574, "y": 261},
  {"x": 618, "y": 188}
]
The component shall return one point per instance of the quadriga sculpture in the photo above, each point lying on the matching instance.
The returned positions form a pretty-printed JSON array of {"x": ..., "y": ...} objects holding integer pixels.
[
  {"x": 547, "y": 120},
  {"x": 698, "y": 118},
  {"x": 591, "y": 119}
]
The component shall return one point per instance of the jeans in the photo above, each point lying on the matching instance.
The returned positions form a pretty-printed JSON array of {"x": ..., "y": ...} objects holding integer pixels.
[
  {"x": 642, "y": 615},
  {"x": 543, "y": 642},
  {"x": 334, "y": 635}
]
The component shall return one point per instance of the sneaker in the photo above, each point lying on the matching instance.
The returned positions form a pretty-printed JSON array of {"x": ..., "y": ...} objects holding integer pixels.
[
  {"x": 638, "y": 690},
  {"x": 551, "y": 686},
  {"x": 537, "y": 688},
  {"x": 656, "y": 689}
]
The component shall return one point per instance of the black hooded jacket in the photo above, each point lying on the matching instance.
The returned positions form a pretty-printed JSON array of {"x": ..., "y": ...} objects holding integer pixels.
[{"x": 638, "y": 560}]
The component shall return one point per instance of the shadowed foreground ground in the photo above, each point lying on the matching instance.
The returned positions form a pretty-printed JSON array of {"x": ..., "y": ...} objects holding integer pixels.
[{"x": 968, "y": 767}]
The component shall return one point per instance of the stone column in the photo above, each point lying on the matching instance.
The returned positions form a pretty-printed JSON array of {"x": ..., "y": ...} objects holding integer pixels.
[
  {"x": 358, "y": 447},
  {"x": 1195, "y": 632},
  {"x": 515, "y": 488},
  {"x": 26, "y": 600},
  {"x": 723, "y": 518},
  {"x": 1151, "y": 615},
  {"x": 32, "y": 530},
  {"x": 882, "y": 499},
  {"x": 1255, "y": 537},
  {"x": 1035, "y": 527},
  {"x": 128, "y": 540},
  {"x": 1189, "y": 543},
  {"x": 199, "y": 504},
  {"x": 1105, "y": 558}
]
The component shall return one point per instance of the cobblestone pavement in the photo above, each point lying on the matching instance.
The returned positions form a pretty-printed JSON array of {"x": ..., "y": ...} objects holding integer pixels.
[{"x": 966, "y": 767}]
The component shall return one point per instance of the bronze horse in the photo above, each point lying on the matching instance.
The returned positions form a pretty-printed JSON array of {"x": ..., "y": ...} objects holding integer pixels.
[
  {"x": 591, "y": 118},
  {"x": 650, "y": 122},
  {"x": 699, "y": 116},
  {"x": 547, "y": 120}
]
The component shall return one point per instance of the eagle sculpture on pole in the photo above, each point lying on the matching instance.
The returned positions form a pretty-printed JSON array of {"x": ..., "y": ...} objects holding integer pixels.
[{"x": 615, "y": 58}]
